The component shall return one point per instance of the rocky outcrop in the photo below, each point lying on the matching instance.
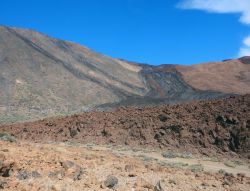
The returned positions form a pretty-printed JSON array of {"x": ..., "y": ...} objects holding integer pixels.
[{"x": 209, "y": 127}]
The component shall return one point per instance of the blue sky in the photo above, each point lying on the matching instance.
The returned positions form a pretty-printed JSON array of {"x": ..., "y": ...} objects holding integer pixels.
[{"x": 148, "y": 31}]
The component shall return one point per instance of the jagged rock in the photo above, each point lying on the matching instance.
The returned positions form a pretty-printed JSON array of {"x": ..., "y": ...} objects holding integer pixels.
[
  {"x": 73, "y": 132},
  {"x": 59, "y": 174},
  {"x": 105, "y": 133},
  {"x": 111, "y": 181},
  {"x": 175, "y": 128},
  {"x": 221, "y": 120},
  {"x": 22, "y": 175},
  {"x": 6, "y": 168},
  {"x": 2, "y": 184},
  {"x": 163, "y": 117},
  {"x": 35, "y": 174}
]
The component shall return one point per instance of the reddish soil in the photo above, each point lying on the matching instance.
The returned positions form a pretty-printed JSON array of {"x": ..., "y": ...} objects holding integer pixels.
[
  {"x": 212, "y": 127},
  {"x": 28, "y": 166},
  {"x": 231, "y": 76}
]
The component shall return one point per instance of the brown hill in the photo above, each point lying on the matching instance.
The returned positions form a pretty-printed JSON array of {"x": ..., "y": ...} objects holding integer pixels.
[
  {"x": 231, "y": 76},
  {"x": 220, "y": 126}
]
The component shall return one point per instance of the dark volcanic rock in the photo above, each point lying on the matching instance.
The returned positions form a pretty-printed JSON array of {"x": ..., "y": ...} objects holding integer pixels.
[
  {"x": 111, "y": 181},
  {"x": 245, "y": 59},
  {"x": 2, "y": 184},
  {"x": 6, "y": 168},
  {"x": 211, "y": 127},
  {"x": 22, "y": 175},
  {"x": 36, "y": 174}
]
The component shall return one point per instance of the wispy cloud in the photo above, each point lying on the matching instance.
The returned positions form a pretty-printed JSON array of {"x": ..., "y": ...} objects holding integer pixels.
[
  {"x": 245, "y": 50},
  {"x": 241, "y": 7}
]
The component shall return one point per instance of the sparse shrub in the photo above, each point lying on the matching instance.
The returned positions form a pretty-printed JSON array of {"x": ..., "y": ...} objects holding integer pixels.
[
  {"x": 222, "y": 171},
  {"x": 169, "y": 154},
  {"x": 186, "y": 155},
  {"x": 237, "y": 162},
  {"x": 230, "y": 164},
  {"x": 136, "y": 150},
  {"x": 196, "y": 168},
  {"x": 173, "y": 164},
  {"x": 7, "y": 137},
  {"x": 89, "y": 146},
  {"x": 177, "y": 165},
  {"x": 148, "y": 159}
]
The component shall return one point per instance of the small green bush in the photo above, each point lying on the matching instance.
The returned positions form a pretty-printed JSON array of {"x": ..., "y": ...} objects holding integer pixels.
[
  {"x": 230, "y": 164},
  {"x": 237, "y": 162},
  {"x": 177, "y": 164},
  {"x": 169, "y": 154},
  {"x": 196, "y": 168},
  {"x": 7, "y": 137}
]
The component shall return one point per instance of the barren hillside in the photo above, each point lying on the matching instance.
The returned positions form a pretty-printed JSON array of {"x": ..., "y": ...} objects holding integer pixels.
[
  {"x": 41, "y": 76},
  {"x": 231, "y": 76}
]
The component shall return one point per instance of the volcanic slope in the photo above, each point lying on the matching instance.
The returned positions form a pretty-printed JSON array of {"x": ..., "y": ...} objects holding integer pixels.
[
  {"x": 42, "y": 76},
  {"x": 228, "y": 76}
]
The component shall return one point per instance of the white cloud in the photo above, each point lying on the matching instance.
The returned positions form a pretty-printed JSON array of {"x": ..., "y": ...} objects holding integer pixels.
[
  {"x": 245, "y": 50},
  {"x": 241, "y": 7},
  {"x": 247, "y": 41}
]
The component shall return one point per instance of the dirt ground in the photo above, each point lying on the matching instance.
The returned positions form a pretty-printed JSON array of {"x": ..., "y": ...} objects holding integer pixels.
[{"x": 29, "y": 166}]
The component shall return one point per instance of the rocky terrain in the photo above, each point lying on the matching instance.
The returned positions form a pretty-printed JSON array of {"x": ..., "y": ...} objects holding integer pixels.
[
  {"x": 199, "y": 145},
  {"x": 76, "y": 167},
  {"x": 41, "y": 76},
  {"x": 212, "y": 127},
  {"x": 147, "y": 128}
]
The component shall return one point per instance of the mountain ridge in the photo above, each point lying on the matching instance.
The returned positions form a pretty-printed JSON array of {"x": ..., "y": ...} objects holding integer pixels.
[{"x": 43, "y": 76}]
